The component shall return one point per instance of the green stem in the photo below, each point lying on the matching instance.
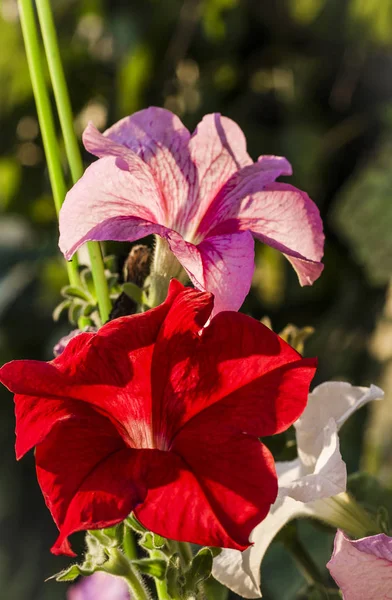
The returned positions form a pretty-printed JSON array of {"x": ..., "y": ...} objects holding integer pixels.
[
  {"x": 71, "y": 144},
  {"x": 35, "y": 62},
  {"x": 129, "y": 543},
  {"x": 119, "y": 565},
  {"x": 161, "y": 587},
  {"x": 137, "y": 589},
  {"x": 185, "y": 552}
]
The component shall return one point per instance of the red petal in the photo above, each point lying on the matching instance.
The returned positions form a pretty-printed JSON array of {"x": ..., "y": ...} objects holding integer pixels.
[
  {"x": 35, "y": 417},
  {"x": 217, "y": 505},
  {"x": 94, "y": 369},
  {"x": 265, "y": 406},
  {"x": 232, "y": 353},
  {"x": 88, "y": 477}
]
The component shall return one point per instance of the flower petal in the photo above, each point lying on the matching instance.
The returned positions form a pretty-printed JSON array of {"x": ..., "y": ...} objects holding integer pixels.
[
  {"x": 243, "y": 184},
  {"x": 329, "y": 477},
  {"x": 207, "y": 506},
  {"x": 278, "y": 214},
  {"x": 83, "y": 377},
  {"x": 110, "y": 202},
  {"x": 161, "y": 141},
  {"x": 189, "y": 170},
  {"x": 332, "y": 399},
  {"x": 240, "y": 571},
  {"x": 219, "y": 462},
  {"x": 362, "y": 568},
  {"x": 99, "y": 586},
  {"x": 236, "y": 363},
  {"x": 105, "y": 485},
  {"x": 218, "y": 149},
  {"x": 222, "y": 265}
]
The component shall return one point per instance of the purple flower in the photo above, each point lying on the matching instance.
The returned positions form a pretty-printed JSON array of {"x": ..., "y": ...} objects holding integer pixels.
[
  {"x": 99, "y": 586},
  {"x": 363, "y": 568},
  {"x": 202, "y": 193},
  {"x": 63, "y": 342}
]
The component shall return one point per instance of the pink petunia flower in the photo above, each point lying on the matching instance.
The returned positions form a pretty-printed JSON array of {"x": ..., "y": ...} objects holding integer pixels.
[
  {"x": 99, "y": 586},
  {"x": 201, "y": 193},
  {"x": 363, "y": 568}
]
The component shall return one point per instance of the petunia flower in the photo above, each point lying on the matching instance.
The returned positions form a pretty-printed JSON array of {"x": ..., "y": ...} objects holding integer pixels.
[
  {"x": 201, "y": 193},
  {"x": 363, "y": 568},
  {"x": 312, "y": 485},
  {"x": 99, "y": 586},
  {"x": 157, "y": 415}
]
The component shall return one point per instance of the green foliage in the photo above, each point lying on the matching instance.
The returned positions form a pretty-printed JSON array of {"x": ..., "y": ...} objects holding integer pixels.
[
  {"x": 81, "y": 302},
  {"x": 373, "y": 18},
  {"x": 363, "y": 214},
  {"x": 154, "y": 567},
  {"x": 213, "y": 13},
  {"x": 152, "y": 541},
  {"x": 374, "y": 496},
  {"x": 198, "y": 571},
  {"x": 305, "y": 11}
]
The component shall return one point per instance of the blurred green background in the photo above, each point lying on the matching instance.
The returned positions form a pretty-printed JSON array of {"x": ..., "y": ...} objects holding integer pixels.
[{"x": 307, "y": 79}]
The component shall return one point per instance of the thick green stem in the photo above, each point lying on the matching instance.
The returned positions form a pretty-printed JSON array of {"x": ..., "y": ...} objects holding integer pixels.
[
  {"x": 119, "y": 565},
  {"x": 129, "y": 543},
  {"x": 35, "y": 62},
  {"x": 71, "y": 144}
]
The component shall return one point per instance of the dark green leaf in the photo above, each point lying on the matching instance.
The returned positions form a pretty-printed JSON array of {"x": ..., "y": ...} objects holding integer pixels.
[
  {"x": 173, "y": 573},
  {"x": 199, "y": 570},
  {"x": 152, "y": 566}
]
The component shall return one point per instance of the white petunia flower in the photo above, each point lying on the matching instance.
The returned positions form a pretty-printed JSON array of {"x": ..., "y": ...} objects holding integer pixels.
[{"x": 312, "y": 485}]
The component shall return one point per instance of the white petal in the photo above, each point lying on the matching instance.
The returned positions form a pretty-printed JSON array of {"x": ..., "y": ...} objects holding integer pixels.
[
  {"x": 333, "y": 399},
  {"x": 329, "y": 477}
]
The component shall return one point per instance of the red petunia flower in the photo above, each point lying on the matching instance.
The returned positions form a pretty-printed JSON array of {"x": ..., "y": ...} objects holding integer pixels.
[{"x": 156, "y": 415}]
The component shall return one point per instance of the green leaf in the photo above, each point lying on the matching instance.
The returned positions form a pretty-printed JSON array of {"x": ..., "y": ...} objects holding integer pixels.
[
  {"x": 74, "y": 571},
  {"x": 64, "y": 305},
  {"x": 215, "y": 590},
  {"x": 215, "y": 551},
  {"x": 155, "y": 567},
  {"x": 134, "y": 524},
  {"x": 318, "y": 592},
  {"x": 75, "y": 311},
  {"x": 72, "y": 291},
  {"x": 134, "y": 292},
  {"x": 369, "y": 492},
  {"x": 152, "y": 541},
  {"x": 383, "y": 520},
  {"x": 88, "y": 309},
  {"x": 199, "y": 570},
  {"x": 110, "y": 263},
  {"x": 109, "y": 537},
  {"x": 173, "y": 572},
  {"x": 87, "y": 281}
]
